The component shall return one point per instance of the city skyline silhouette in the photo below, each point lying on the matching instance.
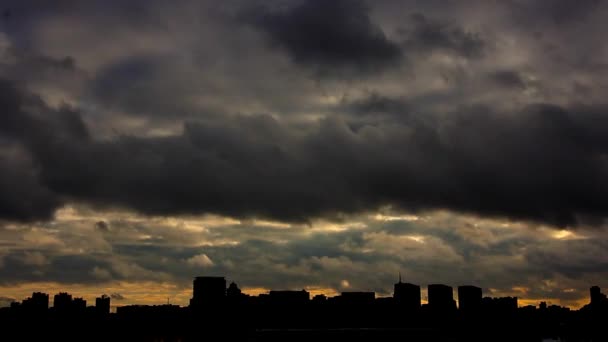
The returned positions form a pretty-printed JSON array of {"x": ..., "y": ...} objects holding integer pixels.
[
  {"x": 295, "y": 314},
  {"x": 404, "y": 292},
  {"x": 382, "y": 163}
]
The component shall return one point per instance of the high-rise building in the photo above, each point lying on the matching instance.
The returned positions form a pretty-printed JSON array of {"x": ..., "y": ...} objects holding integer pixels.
[
  {"x": 62, "y": 302},
  {"x": 208, "y": 291},
  {"x": 441, "y": 297},
  {"x": 596, "y": 295},
  {"x": 102, "y": 305},
  {"x": 38, "y": 302},
  {"x": 469, "y": 298},
  {"x": 407, "y": 295}
]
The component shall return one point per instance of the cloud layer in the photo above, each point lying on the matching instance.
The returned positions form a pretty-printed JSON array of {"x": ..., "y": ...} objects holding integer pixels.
[
  {"x": 366, "y": 253},
  {"x": 299, "y": 112},
  {"x": 543, "y": 163},
  {"x": 328, "y": 35}
]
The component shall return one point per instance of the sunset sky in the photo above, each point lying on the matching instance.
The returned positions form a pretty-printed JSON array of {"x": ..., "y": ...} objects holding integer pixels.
[{"x": 324, "y": 145}]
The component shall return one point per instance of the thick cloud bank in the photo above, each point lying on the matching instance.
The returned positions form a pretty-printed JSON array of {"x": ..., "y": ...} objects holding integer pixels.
[
  {"x": 213, "y": 108},
  {"x": 338, "y": 143},
  {"x": 543, "y": 163}
]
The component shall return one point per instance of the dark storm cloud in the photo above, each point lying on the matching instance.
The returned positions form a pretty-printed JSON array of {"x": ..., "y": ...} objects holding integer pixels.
[
  {"x": 28, "y": 119},
  {"x": 508, "y": 79},
  {"x": 134, "y": 84},
  {"x": 328, "y": 34},
  {"x": 543, "y": 163},
  {"x": 22, "y": 196},
  {"x": 538, "y": 162},
  {"x": 424, "y": 34},
  {"x": 556, "y": 12}
]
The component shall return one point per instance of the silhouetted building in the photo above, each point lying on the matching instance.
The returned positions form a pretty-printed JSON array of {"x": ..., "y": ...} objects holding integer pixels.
[
  {"x": 38, "y": 302},
  {"x": 357, "y": 298},
  {"x": 62, "y": 302},
  {"x": 79, "y": 305},
  {"x": 320, "y": 298},
  {"x": 291, "y": 315},
  {"x": 441, "y": 297},
  {"x": 407, "y": 295},
  {"x": 469, "y": 298},
  {"x": 500, "y": 305},
  {"x": 208, "y": 291},
  {"x": 102, "y": 305},
  {"x": 597, "y": 297},
  {"x": 151, "y": 311},
  {"x": 289, "y": 297}
]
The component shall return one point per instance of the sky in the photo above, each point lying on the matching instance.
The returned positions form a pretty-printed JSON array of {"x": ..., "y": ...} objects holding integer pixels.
[{"x": 303, "y": 144}]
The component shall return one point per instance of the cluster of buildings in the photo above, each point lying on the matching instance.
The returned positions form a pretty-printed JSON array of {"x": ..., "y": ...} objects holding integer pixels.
[
  {"x": 63, "y": 304},
  {"x": 212, "y": 291},
  {"x": 296, "y": 315}
]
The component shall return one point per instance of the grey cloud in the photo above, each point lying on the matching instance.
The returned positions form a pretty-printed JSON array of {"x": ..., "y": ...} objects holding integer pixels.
[
  {"x": 328, "y": 35},
  {"x": 117, "y": 296},
  {"x": 508, "y": 79},
  {"x": 494, "y": 109},
  {"x": 449, "y": 252},
  {"x": 475, "y": 159},
  {"x": 76, "y": 269},
  {"x": 557, "y": 12},
  {"x": 141, "y": 86},
  {"x": 423, "y": 34},
  {"x": 582, "y": 258},
  {"x": 22, "y": 196}
]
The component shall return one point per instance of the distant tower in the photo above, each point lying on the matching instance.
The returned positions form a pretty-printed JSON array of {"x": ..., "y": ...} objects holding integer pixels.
[
  {"x": 407, "y": 295},
  {"x": 208, "y": 291},
  {"x": 598, "y": 299},
  {"x": 102, "y": 305},
  {"x": 469, "y": 298},
  {"x": 596, "y": 294},
  {"x": 233, "y": 291}
]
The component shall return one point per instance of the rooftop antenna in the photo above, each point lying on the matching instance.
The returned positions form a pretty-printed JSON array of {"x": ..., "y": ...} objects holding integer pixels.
[{"x": 399, "y": 277}]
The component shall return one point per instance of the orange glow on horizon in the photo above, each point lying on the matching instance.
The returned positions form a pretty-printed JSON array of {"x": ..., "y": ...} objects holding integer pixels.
[{"x": 152, "y": 293}]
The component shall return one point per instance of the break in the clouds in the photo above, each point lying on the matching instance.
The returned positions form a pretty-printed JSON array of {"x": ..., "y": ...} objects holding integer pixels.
[
  {"x": 297, "y": 112},
  {"x": 366, "y": 253}
]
